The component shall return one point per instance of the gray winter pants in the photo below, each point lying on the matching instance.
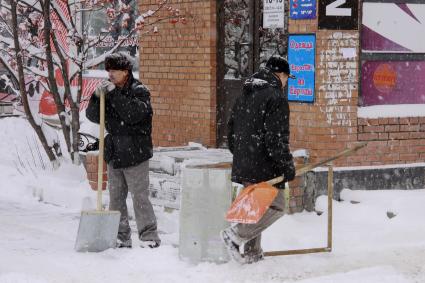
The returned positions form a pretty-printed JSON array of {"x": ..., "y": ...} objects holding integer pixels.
[
  {"x": 136, "y": 180},
  {"x": 250, "y": 234}
]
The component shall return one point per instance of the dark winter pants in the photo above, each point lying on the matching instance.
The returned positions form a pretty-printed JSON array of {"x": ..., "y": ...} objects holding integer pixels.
[
  {"x": 251, "y": 233},
  {"x": 136, "y": 180}
]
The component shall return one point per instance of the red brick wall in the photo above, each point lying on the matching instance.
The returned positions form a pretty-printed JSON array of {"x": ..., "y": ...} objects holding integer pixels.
[
  {"x": 179, "y": 66},
  {"x": 393, "y": 140},
  {"x": 328, "y": 125},
  {"x": 331, "y": 123}
]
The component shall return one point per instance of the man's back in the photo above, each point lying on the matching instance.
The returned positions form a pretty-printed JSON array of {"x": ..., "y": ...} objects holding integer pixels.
[
  {"x": 259, "y": 129},
  {"x": 259, "y": 140}
]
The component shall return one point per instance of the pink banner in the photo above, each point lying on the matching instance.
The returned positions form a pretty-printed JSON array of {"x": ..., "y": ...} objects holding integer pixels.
[{"x": 396, "y": 82}]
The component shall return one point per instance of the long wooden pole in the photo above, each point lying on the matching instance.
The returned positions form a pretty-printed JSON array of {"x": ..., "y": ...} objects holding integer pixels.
[
  {"x": 330, "y": 197},
  {"x": 296, "y": 252},
  {"x": 310, "y": 167},
  {"x": 101, "y": 147}
]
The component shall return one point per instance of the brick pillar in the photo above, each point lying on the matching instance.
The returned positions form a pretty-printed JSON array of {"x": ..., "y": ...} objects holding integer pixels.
[
  {"x": 92, "y": 169},
  {"x": 178, "y": 65}
]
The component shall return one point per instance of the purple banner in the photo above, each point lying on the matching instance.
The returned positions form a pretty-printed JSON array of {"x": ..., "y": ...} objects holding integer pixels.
[
  {"x": 373, "y": 41},
  {"x": 397, "y": 82},
  {"x": 391, "y": 27}
]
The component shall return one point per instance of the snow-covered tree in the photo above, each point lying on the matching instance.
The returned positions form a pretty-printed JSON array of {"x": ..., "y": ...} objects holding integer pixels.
[{"x": 47, "y": 46}]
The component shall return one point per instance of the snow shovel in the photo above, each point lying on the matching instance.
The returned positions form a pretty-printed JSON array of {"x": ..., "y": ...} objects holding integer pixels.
[
  {"x": 251, "y": 204},
  {"x": 98, "y": 228}
]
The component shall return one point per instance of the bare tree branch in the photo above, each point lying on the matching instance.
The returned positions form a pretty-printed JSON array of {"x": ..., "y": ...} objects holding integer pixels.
[{"x": 22, "y": 88}]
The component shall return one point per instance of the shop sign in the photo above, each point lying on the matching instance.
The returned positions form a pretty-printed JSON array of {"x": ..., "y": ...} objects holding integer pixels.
[
  {"x": 392, "y": 82},
  {"x": 273, "y": 14},
  {"x": 301, "y": 59},
  {"x": 338, "y": 14},
  {"x": 302, "y": 9}
]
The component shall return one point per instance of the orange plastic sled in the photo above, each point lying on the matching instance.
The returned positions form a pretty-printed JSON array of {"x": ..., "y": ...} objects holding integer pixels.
[{"x": 251, "y": 204}]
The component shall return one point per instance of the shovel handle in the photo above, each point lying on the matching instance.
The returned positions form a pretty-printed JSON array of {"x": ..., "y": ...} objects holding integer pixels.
[
  {"x": 101, "y": 147},
  {"x": 307, "y": 168},
  {"x": 303, "y": 170}
]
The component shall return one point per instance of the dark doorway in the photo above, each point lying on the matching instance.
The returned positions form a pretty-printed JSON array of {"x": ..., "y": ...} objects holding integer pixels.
[{"x": 243, "y": 46}]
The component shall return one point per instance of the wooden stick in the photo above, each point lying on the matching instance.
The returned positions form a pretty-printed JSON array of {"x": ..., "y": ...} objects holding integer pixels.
[
  {"x": 220, "y": 165},
  {"x": 345, "y": 152},
  {"x": 330, "y": 197},
  {"x": 297, "y": 252},
  {"x": 101, "y": 147},
  {"x": 310, "y": 167}
]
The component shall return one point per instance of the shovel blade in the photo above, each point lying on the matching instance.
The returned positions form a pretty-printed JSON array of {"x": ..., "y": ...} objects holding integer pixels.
[
  {"x": 252, "y": 203},
  {"x": 98, "y": 231}
]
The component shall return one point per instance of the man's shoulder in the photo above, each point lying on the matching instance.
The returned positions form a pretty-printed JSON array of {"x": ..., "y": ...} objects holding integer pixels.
[
  {"x": 255, "y": 85},
  {"x": 139, "y": 88},
  {"x": 256, "y": 82}
]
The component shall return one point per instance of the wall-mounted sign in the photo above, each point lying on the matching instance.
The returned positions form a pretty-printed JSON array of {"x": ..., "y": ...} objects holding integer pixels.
[
  {"x": 390, "y": 27},
  {"x": 302, "y": 9},
  {"x": 301, "y": 58},
  {"x": 338, "y": 14},
  {"x": 396, "y": 82},
  {"x": 273, "y": 14}
]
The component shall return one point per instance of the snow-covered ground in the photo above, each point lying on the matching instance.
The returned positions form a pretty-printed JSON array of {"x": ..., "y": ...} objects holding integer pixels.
[{"x": 39, "y": 217}]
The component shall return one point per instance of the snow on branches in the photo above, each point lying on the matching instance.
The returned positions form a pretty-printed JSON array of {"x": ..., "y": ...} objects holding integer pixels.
[
  {"x": 72, "y": 34},
  {"x": 51, "y": 43}
]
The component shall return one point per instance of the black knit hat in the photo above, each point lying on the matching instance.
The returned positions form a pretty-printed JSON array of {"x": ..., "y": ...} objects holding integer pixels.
[
  {"x": 118, "y": 61},
  {"x": 278, "y": 64}
]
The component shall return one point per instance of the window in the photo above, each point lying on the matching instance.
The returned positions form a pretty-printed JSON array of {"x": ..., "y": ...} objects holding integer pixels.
[
  {"x": 392, "y": 52},
  {"x": 247, "y": 45}
]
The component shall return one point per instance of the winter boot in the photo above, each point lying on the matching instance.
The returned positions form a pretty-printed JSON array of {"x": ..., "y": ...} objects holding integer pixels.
[
  {"x": 124, "y": 244},
  {"x": 231, "y": 245},
  {"x": 149, "y": 244},
  {"x": 253, "y": 258}
]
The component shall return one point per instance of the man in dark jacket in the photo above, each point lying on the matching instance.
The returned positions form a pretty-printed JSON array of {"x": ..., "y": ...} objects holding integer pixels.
[
  {"x": 259, "y": 140},
  {"x": 128, "y": 147}
]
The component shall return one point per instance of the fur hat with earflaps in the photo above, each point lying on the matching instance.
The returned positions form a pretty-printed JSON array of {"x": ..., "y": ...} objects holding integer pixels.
[{"x": 118, "y": 61}]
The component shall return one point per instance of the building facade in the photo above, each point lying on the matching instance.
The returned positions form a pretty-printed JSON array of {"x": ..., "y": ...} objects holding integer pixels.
[{"x": 359, "y": 78}]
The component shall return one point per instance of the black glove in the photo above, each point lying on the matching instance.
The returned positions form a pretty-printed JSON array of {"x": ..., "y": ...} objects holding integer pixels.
[
  {"x": 104, "y": 87},
  {"x": 288, "y": 171}
]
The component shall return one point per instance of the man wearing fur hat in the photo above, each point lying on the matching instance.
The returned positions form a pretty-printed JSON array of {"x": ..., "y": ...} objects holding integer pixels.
[
  {"x": 128, "y": 147},
  {"x": 258, "y": 136}
]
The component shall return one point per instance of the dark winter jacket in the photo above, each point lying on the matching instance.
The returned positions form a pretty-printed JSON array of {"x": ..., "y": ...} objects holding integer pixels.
[
  {"x": 259, "y": 130},
  {"x": 128, "y": 121}
]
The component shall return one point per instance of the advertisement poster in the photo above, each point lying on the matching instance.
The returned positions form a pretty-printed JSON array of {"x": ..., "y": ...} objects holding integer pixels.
[
  {"x": 301, "y": 58},
  {"x": 302, "y": 9},
  {"x": 389, "y": 27},
  {"x": 396, "y": 82}
]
